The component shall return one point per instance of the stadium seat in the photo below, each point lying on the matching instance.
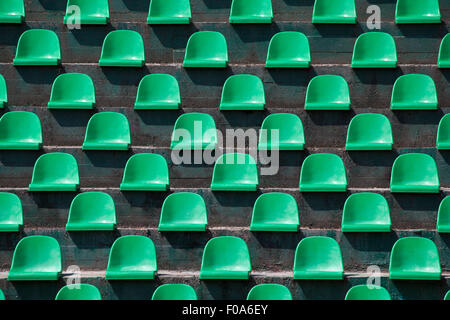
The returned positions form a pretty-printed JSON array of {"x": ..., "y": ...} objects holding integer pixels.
[
  {"x": 12, "y": 11},
  {"x": 3, "y": 93},
  {"x": 444, "y": 52},
  {"x": 20, "y": 130},
  {"x": 414, "y": 92},
  {"x": 225, "y": 258},
  {"x": 443, "y": 134},
  {"x": 251, "y": 11},
  {"x": 318, "y": 258},
  {"x": 327, "y": 92},
  {"x": 122, "y": 48},
  {"x": 323, "y": 172},
  {"x": 38, "y": 47},
  {"x": 413, "y": 11},
  {"x": 375, "y": 50},
  {"x": 90, "y": 12},
  {"x": 366, "y": 212},
  {"x": 56, "y": 171},
  {"x": 443, "y": 219},
  {"x": 288, "y": 129},
  {"x": 332, "y": 11},
  {"x": 243, "y": 92},
  {"x": 235, "y": 172},
  {"x": 206, "y": 49},
  {"x": 174, "y": 292},
  {"x": 275, "y": 211},
  {"x": 36, "y": 258},
  {"x": 415, "y": 173},
  {"x": 414, "y": 258},
  {"x": 2, "y": 296},
  {"x": 132, "y": 258},
  {"x": 72, "y": 91},
  {"x": 288, "y": 49},
  {"x": 107, "y": 131},
  {"x": 80, "y": 291},
  {"x": 447, "y": 296},
  {"x": 145, "y": 172},
  {"x": 158, "y": 91},
  {"x": 194, "y": 131},
  {"x": 92, "y": 211},
  {"x": 183, "y": 211},
  {"x": 269, "y": 291},
  {"x": 11, "y": 216},
  {"x": 367, "y": 292},
  {"x": 169, "y": 12},
  {"x": 369, "y": 131}
]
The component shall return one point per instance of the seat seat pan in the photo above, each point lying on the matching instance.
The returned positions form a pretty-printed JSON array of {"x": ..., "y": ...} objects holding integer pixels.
[
  {"x": 111, "y": 62},
  {"x": 106, "y": 146},
  {"x": 32, "y": 276},
  {"x": 90, "y": 226},
  {"x": 36, "y": 61},
  {"x": 241, "y": 106},
  {"x": 53, "y": 187},
  {"x": 236, "y": 186},
  {"x": 311, "y": 187},
  {"x": 235, "y": 274},
  {"x": 318, "y": 275},
  {"x": 144, "y": 186},
  {"x": 129, "y": 275}
]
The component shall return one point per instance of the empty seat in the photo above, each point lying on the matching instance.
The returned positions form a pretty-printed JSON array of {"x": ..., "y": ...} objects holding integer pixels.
[
  {"x": 327, "y": 92},
  {"x": 80, "y": 291},
  {"x": 225, "y": 258},
  {"x": 89, "y": 12},
  {"x": 414, "y": 258},
  {"x": 414, "y": 92},
  {"x": 323, "y": 172},
  {"x": 375, "y": 50},
  {"x": 444, "y": 52},
  {"x": 443, "y": 219},
  {"x": 3, "y": 92},
  {"x": 12, "y": 11},
  {"x": 2, "y": 296},
  {"x": 11, "y": 215},
  {"x": 72, "y": 91},
  {"x": 56, "y": 171},
  {"x": 318, "y": 258},
  {"x": 92, "y": 211},
  {"x": 169, "y": 12},
  {"x": 36, "y": 258},
  {"x": 443, "y": 134},
  {"x": 194, "y": 131},
  {"x": 235, "y": 172},
  {"x": 132, "y": 258},
  {"x": 251, "y": 11},
  {"x": 331, "y": 11},
  {"x": 415, "y": 173},
  {"x": 20, "y": 130},
  {"x": 288, "y": 49},
  {"x": 145, "y": 172},
  {"x": 206, "y": 49},
  {"x": 275, "y": 211},
  {"x": 183, "y": 211},
  {"x": 38, "y": 47},
  {"x": 369, "y": 131},
  {"x": 367, "y": 292},
  {"x": 107, "y": 131},
  {"x": 122, "y": 48},
  {"x": 269, "y": 291},
  {"x": 447, "y": 296},
  {"x": 174, "y": 292},
  {"x": 158, "y": 91},
  {"x": 366, "y": 212},
  {"x": 281, "y": 131},
  {"x": 413, "y": 11},
  {"x": 243, "y": 92}
]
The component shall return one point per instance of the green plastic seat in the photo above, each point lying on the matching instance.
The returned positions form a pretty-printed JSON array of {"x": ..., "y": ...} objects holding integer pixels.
[
  {"x": 443, "y": 219},
  {"x": 38, "y": 47},
  {"x": 92, "y": 211},
  {"x": 414, "y": 92},
  {"x": 169, "y": 12},
  {"x": 194, "y": 131},
  {"x": 11, "y": 215},
  {"x": 56, "y": 171},
  {"x": 289, "y": 134},
  {"x": 443, "y": 134},
  {"x": 251, "y": 11},
  {"x": 122, "y": 48},
  {"x": 145, "y": 172},
  {"x": 288, "y": 49},
  {"x": 415, "y": 173},
  {"x": 447, "y": 296},
  {"x": 174, "y": 292},
  {"x": 318, "y": 258},
  {"x": 81, "y": 291},
  {"x": 327, "y": 92},
  {"x": 413, "y": 11},
  {"x": 91, "y": 12},
  {"x": 369, "y": 131},
  {"x": 235, "y": 172},
  {"x": 2, "y": 295},
  {"x": 107, "y": 131},
  {"x": 414, "y": 258},
  {"x": 20, "y": 130},
  {"x": 323, "y": 172},
  {"x": 375, "y": 50},
  {"x": 367, "y": 292},
  {"x": 158, "y": 91},
  {"x": 3, "y": 93},
  {"x": 444, "y": 52},
  {"x": 366, "y": 212},
  {"x": 243, "y": 92},
  {"x": 206, "y": 49},
  {"x": 12, "y": 11},
  {"x": 72, "y": 91},
  {"x": 132, "y": 258},
  {"x": 225, "y": 258},
  {"x": 332, "y": 11},
  {"x": 36, "y": 258},
  {"x": 269, "y": 291},
  {"x": 275, "y": 211}
]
